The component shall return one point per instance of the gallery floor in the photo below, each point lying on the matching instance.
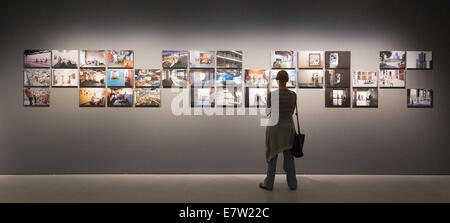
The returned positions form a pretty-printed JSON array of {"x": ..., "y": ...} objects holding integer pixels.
[{"x": 222, "y": 188}]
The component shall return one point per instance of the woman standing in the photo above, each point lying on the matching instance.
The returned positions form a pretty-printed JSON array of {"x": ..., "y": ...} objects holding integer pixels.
[{"x": 280, "y": 137}]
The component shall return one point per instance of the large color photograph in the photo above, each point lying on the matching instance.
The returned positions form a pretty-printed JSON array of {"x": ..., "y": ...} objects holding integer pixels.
[
  {"x": 92, "y": 77},
  {"x": 92, "y": 58},
  {"x": 120, "y": 78},
  {"x": 256, "y": 78},
  {"x": 147, "y": 77},
  {"x": 36, "y": 96},
  {"x": 92, "y": 97},
  {"x": 147, "y": 97},
  {"x": 120, "y": 58},
  {"x": 175, "y": 59},
  {"x": 65, "y": 58},
  {"x": 174, "y": 78},
  {"x": 37, "y": 58},
  {"x": 120, "y": 97},
  {"x": 36, "y": 77}
]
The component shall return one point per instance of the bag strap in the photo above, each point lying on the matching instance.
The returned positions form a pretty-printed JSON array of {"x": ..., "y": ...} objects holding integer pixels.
[{"x": 296, "y": 114}]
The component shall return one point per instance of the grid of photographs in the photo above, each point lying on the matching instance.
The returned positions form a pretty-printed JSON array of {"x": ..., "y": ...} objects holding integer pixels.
[
  {"x": 175, "y": 78},
  {"x": 147, "y": 97},
  {"x": 292, "y": 78},
  {"x": 419, "y": 98},
  {"x": 310, "y": 65},
  {"x": 365, "y": 97},
  {"x": 337, "y": 79},
  {"x": 392, "y": 78},
  {"x": 175, "y": 59},
  {"x": 283, "y": 59},
  {"x": 147, "y": 78},
  {"x": 64, "y": 58},
  {"x": 36, "y": 78},
  {"x": 256, "y": 78},
  {"x": 419, "y": 60}
]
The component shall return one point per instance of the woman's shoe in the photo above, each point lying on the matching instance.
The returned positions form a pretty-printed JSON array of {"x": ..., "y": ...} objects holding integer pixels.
[{"x": 262, "y": 186}]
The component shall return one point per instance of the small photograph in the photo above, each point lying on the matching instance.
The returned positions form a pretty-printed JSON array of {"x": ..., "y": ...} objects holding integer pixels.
[
  {"x": 37, "y": 58},
  {"x": 255, "y": 97},
  {"x": 147, "y": 97},
  {"x": 92, "y": 77},
  {"x": 36, "y": 77},
  {"x": 229, "y": 97},
  {"x": 365, "y": 97},
  {"x": 201, "y": 77},
  {"x": 337, "y": 78},
  {"x": 392, "y": 59},
  {"x": 174, "y": 78},
  {"x": 120, "y": 58},
  {"x": 310, "y": 78},
  {"x": 36, "y": 96},
  {"x": 229, "y": 59},
  {"x": 311, "y": 59},
  {"x": 120, "y": 97},
  {"x": 120, "y": 77},
  {"x": 175, "y": 58},
  {"x": 65, "y": 78},
  {"x": 419, "y": 60},
  {"x": 283, "y": 59},
  {"x": 337, "y": 97},
  {"x": 202, "y": 59},
  {"x": 292, "y": 78},
  {"x": 418, "y": 98},
  {"x": 202, "y": 97},
  {"x": 256, "y": 78},
  {"x": 392, "y": 78},
  {"x": 147, "y": 77},
  {"x": 65, "y": 58},
  {"x": 92, "y": 58},
  {"x": 229, "y": 77},
  {"x": 92, "y": 97},
  {"x": 365, "y": 79},
  {"x": 337, "y": 59}
]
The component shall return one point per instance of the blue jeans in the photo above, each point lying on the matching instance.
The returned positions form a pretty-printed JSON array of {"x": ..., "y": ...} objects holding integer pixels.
[{"x": 288, "y": 166}]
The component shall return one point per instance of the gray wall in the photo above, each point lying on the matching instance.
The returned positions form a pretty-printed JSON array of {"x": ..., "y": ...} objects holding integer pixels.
[{"x": 64, "y": 138}]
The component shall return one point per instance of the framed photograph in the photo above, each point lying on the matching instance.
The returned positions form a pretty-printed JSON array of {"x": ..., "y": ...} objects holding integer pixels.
[
  {"x": 65, "y": 78},
  {"x": 229, "y": 58},
  {"x": 92, "y": 58},
  {"x": 36, "y": 96},
  {"x": 65, "y": 58},
  {"x": 337, "y": 59},
  {"x": 256, "y": 97},
  {"x": 283, "y": 59},
  {"x": 202, "y": 59},
  {"x": 310, "y": 59},
  {"x": 201, "y": 77},
  {"x": 419, "y": 60},
  {"x": 92, "y": 97},
  {"x": 174, "y": 78},
  {"x": 256, "y": 78},
  {"x": 229, "y": 97},
  {"x": 36, "y": 77},
  {"x": 120, "y": 78},
  {"x": 365, "y": 79},
  {"x": 365, "y": 97},
  {"x": 92, "y": 77},
  {"x": 147, "y": 97},
  {"x": 120, "y": 97},
  {"x": 337, "y": 97},
  {"x": 292, "y": 78},
  {"x": 229, "y": 78},
  {"x": 37, "y": 58},
  {"x": 392, "y": 59},
  {"x": 203, "y": 97},
  {"x": 147, "y": 78},
  {"x": 120, "y": 58},
  {"x": 310, "y": 78},
  {"x": 392, "y": 78},
  {"x": 175, "y": 59},
  {"x": 337, "y": 78},
  {"x": 420, "y": 98}
]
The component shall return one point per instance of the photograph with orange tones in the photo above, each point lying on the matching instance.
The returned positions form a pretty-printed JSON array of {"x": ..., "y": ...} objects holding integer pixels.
[
  {"x": 92, "y": 97},
  {"x": 120, "y": 58},
  {"x": 256, "y": 78},
  {"x": 92, "y": 77}
]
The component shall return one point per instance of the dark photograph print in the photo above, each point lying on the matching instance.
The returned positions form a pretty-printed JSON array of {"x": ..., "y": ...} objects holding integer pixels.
[
  {"x": 365, "y": 97},
  {"x": 37, "y": 58},
  {"x": 392, "y": 59},
  {"x": 120, "y": 97},
  {"x": 36, "y": 96},
  {"x": 420, "y": 98},
  {"x": 337, "y": 78},
  {"x": 175, "y": 59},
  {"x": 337, "y": 97},
  {"x": 337, "y": 59}
]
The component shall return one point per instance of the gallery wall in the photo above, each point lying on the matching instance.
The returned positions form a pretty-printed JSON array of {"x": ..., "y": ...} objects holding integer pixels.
[{"x": 64, "y": 138}]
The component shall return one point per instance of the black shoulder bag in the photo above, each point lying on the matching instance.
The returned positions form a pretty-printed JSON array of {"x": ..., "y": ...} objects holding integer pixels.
[{"x": 299, "y": 139}]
